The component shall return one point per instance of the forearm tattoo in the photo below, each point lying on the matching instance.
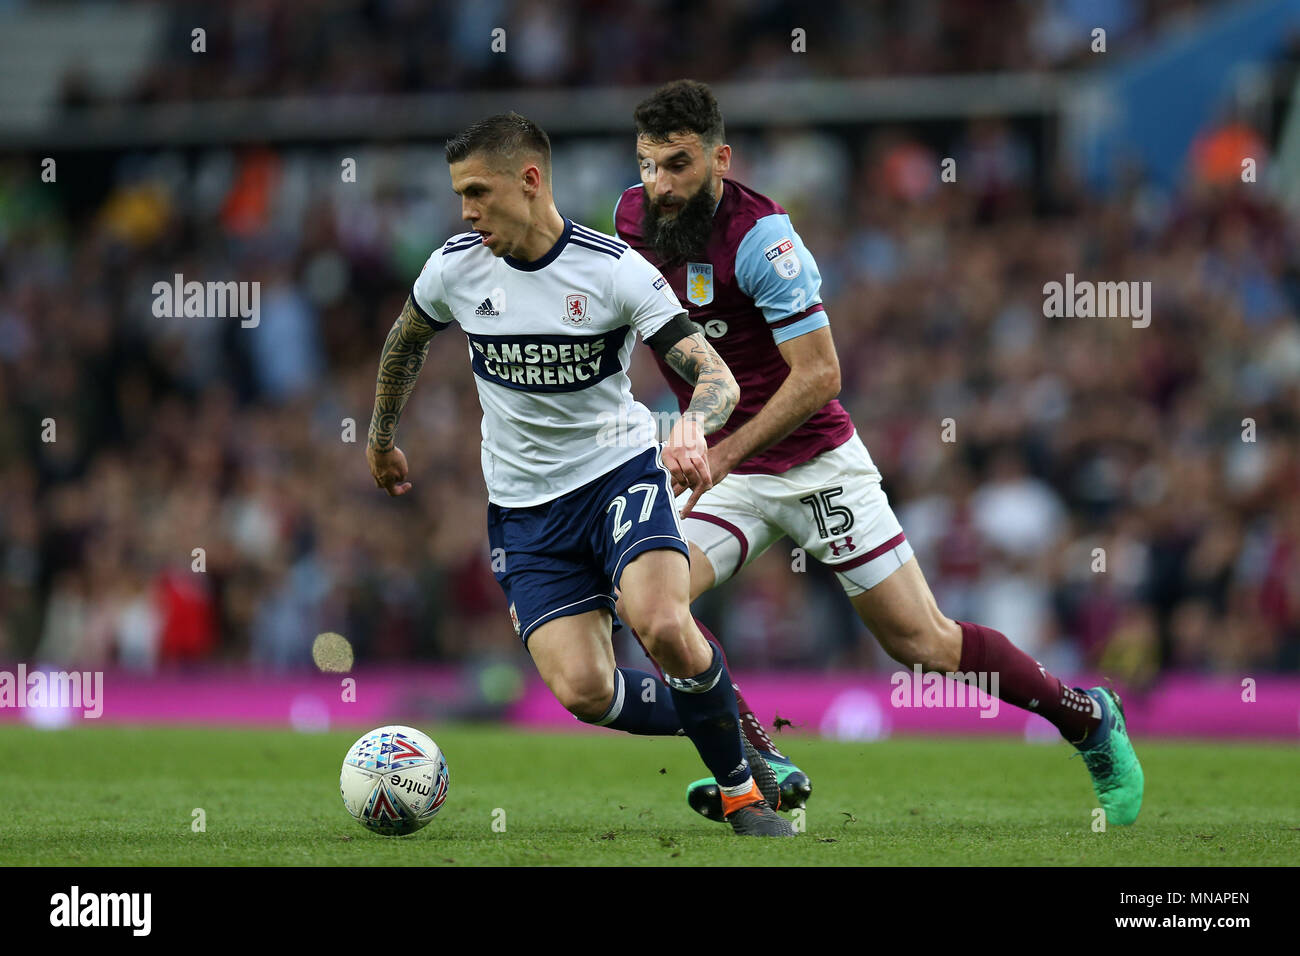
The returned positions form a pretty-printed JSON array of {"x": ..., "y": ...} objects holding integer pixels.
[
  {"x": 400, "y": 362},
  {"x": 716, "y": 392}
]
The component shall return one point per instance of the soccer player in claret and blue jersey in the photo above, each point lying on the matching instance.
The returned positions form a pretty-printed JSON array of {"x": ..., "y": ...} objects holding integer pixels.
[
  {"x": 551, "y": 310},
  {"x": 789, "y": 461}
]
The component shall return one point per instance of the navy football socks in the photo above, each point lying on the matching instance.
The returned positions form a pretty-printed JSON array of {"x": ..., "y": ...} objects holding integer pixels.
[
  {"x": 706, "y": 705},
  {"x": 703, "y": 708},
  {"x": 642, "y": 704}
]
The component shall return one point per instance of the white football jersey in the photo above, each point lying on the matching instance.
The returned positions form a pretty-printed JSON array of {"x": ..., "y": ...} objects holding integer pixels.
[{"x": 549, "y": 342}]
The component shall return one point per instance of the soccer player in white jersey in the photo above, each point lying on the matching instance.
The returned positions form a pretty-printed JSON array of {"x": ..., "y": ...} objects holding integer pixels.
[
  {"x": 789, "y": 461},
  {"x": 551, "y": 310}
]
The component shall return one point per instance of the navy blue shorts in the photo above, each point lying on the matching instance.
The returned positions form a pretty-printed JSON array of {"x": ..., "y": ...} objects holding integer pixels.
[{"x": 566, "y": 556}]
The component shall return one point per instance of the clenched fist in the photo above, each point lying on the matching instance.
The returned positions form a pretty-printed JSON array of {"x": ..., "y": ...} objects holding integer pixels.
[{"x": 388, "y": 468}]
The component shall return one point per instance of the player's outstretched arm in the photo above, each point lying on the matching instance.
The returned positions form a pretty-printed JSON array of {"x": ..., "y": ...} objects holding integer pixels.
[
  {"x": 403, "y": 355},
  {"x": 813, "y": 381},
  {"x": 686, "y": 454}
]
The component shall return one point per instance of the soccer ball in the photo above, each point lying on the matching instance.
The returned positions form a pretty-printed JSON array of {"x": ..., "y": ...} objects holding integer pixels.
[{"x": 394, "y": 780}]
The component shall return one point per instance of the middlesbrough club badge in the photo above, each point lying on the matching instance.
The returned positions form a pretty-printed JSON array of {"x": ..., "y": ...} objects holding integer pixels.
[{"x": 575, "y": 310}]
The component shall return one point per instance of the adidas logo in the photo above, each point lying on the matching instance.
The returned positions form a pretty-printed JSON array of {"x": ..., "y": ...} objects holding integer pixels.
[{"x": 486, "y": 308}]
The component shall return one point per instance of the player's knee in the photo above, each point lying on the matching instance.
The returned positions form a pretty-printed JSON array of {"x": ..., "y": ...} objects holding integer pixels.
[
  {"x": 666, "y": 633},
  {"x": 586, "y": 695}
]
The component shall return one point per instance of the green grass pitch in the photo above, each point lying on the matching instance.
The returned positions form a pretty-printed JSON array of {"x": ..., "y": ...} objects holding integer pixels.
[{"x": 120, "y": 796}]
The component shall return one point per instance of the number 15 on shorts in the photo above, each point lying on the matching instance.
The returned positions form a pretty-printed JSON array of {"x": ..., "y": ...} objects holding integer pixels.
[{"x": 822, "y": 510}]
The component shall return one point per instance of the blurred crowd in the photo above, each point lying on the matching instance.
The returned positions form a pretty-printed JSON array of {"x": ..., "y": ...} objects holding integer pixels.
[
  {"x": 190, "y": 489},
  {"x": 260, "y": 48}
]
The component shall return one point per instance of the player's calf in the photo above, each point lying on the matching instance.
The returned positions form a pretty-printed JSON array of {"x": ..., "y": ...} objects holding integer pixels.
[
  {"x": 572, "y": 657},
  {"x": 750, "y": 723},
  {"x": 583, "y": 692},
  {"x": 903, "y": 615},
  {"x": 901, "y": 611},
  {"x": 934, "y": 644},
  {"x": 641, "y": 704},
  {"x": 905, "y": 618}
]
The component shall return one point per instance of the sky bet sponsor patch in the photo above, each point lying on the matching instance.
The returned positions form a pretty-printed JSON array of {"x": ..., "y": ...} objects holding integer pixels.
[
  {"x": 661, "y": 285},
  {"x": 783, "y": 258},
  {"x": 546, "y": 363}
]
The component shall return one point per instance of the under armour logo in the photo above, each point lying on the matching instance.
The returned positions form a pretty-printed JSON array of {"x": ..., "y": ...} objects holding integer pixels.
[{"x": 845, "y": 544}]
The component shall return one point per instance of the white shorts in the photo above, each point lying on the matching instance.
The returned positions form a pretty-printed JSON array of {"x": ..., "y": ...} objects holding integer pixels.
[{"x": 832, "y": 506}]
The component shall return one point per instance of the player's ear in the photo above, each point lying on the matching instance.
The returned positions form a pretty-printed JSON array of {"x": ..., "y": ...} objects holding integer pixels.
[
  {"x": 532, "y": 179},
  {"x": 721, "y": 160}
]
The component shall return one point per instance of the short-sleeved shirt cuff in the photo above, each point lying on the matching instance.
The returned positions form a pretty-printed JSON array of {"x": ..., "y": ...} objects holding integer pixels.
[
  {"x": 801, "y": 323},
  {"x": 437, "y": 324}
]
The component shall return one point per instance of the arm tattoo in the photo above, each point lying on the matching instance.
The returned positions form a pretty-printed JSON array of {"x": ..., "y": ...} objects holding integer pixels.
[
  {"x": 716, "y": 392},
  {"x": 400, "y": 362}
]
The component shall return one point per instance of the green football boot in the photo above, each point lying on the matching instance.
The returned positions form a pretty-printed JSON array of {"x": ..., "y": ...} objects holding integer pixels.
[
  {"x": 1116, "y": 774},
  {"x": 792, "y": 784}
]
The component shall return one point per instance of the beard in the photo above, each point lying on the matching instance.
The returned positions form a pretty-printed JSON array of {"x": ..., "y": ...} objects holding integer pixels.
[{"x": 674, "y": 239}]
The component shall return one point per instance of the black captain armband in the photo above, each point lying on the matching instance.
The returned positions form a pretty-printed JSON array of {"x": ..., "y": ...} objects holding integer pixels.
[{"x": 674, "y": 330}]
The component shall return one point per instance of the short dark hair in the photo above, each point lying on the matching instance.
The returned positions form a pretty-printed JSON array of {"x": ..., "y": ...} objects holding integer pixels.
[
  {"x": 680, "y": 106},
  {"x": 503, "y": 137}
]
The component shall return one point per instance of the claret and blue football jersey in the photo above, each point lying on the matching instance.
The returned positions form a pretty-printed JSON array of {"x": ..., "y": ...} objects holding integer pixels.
[{"x": 753, "y": 287}]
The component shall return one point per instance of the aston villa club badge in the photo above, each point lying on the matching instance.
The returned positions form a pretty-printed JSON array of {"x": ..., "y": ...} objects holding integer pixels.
[
  {"x": 575, "y": 310},
  {"x": 699, "y": 282}
]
